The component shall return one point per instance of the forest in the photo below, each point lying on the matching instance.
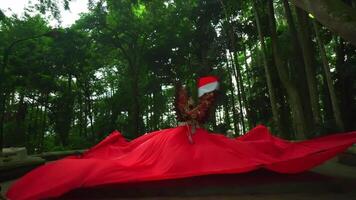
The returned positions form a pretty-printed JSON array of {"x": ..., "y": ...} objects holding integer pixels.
[{"x": 287, "y": 64}]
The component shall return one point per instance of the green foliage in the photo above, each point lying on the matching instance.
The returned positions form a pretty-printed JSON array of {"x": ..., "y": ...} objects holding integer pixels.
[{"x": 116, "y": 68}]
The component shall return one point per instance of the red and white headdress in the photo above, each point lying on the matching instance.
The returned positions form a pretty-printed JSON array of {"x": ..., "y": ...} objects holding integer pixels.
[{"x": 207, "y": 84}]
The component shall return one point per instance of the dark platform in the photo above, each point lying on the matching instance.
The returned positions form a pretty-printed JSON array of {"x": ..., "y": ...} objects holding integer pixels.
[{"x": 261, "y": 182}]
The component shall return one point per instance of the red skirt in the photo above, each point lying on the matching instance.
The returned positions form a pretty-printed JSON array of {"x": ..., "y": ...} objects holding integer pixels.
[{"x": 167, "y": 154}]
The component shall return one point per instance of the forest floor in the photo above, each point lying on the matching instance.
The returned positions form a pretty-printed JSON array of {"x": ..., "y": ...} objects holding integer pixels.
[{"x": 329, "y": 181}]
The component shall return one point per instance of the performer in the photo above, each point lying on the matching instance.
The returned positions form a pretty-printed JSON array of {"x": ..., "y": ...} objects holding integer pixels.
[
  {"x": 168, "y": 154},
  {"x": 192, "y": 116}
]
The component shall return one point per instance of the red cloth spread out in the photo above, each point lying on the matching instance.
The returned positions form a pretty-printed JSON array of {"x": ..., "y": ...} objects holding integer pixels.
[{"x": 167, "y": 154}]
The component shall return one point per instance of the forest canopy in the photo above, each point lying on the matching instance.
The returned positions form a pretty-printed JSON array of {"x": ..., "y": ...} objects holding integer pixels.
[{"x": 290, "y": 65}]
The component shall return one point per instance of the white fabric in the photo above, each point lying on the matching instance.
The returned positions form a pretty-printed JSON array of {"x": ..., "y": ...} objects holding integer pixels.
[{"x": 208, "y": 88}]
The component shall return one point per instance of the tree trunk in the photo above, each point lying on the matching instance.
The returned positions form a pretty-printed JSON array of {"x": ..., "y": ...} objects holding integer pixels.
[
  {"x": 135, "y": 106},
  {"x": 36, "y": 126},
  {"x": 308, "y": 56},
  {"x": 242, "y": 97},
  {"x": 20, "y": 133},
  {"x": 80, "y": 114},
  {"x": 212, "y": 118},
  {"x": 91, "y": 112},
  {"x": 234, "y": 70},
  {"x": 32, "y": 140},
  {"x": 297, "y": 58},
  {"x": 271, "y": 89},
  {"x": 226, "y": 117},
  {"x": 328, "y": 114},
  {"x": 344, "y": 78},
  {"x": 294, "y": 98},
  {"x": 234, "y": 63},
  {"x": 334, "y": 101},
  {"x": 43, "y": 129},
  {"x": 85, "y": 118},
  {"x": 300, "y": 72},
  {"x": 248, "y": 73},
  {"x": 2, "y": 118},
  {"x": 156, "y": 105},
  {"x": 334, "y": 14},
  {"x": 88, "y": 110},
  {"x": 247, "y": 102},
  {"x": 231, "y": 88}
]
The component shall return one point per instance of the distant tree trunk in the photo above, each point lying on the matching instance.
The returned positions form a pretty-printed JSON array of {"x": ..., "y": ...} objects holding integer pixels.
[
  {"x": 284, "y": 110},
  {"x": 156, "y": 105},
  {"x": 343, "y": 80},
  {"x": 248, "y": 73},
  {"x": 132, "y": 55},
  {"x": 293, "y": 34},
  {"x": 3, "y": 95},
  {"x": 294, "y": 98},
  {"x": 334, "y": 101},
  {"x": 227, "y": 115},
  {"x": 234, "y": 70},
  {"x": 114, "y": 113},
  {"x": 212, "y": 120},
  {"x": 328, "y": 113},
  {"x": 65, "y": 111},
  {"x": 270, "y": 86},
  {"x": 309, "y": 62},
  {"x": 231, "y": 88},
  {"x": 85, "y": 117},
  {"x": 235, "y": 65},
  {"x": 20, "y": 121},
  {"x": 242, "y": 97},
  {"x": 340, "y": 53},
  {"x": 247, "y": 102},
  {"x": 80, "y": 114},
  {"x": 91, "y": 120},
  {"x": 43, "y": 124},
  {"x": 134, "y": 114},
  {"x": 33, "y": 140},
  {"x": 88, "y": 110},
  {"x": 298, "y": 69}
]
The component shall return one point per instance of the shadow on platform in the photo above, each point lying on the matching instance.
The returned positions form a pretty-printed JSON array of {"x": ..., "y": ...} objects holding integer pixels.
[{"x": 257, "y": 182}]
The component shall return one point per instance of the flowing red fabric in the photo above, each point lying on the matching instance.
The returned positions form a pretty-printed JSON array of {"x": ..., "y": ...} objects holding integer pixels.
[{"x": 167, "y": 154}]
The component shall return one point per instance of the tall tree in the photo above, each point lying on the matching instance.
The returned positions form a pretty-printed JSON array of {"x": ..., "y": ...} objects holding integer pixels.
[
  {"x": 334, "y": 100},
  {"x": 305, "y": 86},
  {"x": 271, "y": 89},
  {"x": 309, "y": 63},
  {"x": 294, "y": 98}
]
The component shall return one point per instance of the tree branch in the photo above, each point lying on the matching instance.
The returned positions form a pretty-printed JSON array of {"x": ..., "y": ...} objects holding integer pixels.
[{"x": 334, "y": 14}]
